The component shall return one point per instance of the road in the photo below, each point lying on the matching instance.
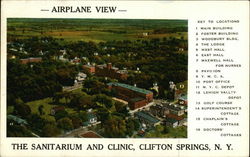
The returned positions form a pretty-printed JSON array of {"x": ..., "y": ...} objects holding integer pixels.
[
  {"x": 71, "y": 88},
  {"x": 77, "y": 132}
]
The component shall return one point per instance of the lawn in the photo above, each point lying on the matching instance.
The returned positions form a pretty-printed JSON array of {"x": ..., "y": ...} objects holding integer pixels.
[
  {"x": 47, "y": 106},
  {"x": 178, "y": 132}
]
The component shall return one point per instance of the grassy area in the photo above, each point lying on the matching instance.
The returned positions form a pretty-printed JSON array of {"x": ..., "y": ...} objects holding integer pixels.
[
  {"x": 178, "y": 132},
  {"x": 47, "y": 106},
  {"x": 96, "y": 30}
]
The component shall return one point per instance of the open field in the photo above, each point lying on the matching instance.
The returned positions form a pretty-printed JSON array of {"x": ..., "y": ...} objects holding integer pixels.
[{"x": 97, "y": 30}]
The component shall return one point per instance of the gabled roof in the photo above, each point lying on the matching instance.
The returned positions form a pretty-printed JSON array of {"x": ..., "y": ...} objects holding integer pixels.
[
  {"x": 133, "y": 88},
  {"x": 17, "y": 119},
  {"x": 183, "y": 97},
  {"x": 175, "y": 117},
  {"x": 90, "y": 134},
  {"x": 171, "y": 120},
  {"x": 147, "y": 116},
  {"x": 91, "y": 115}
]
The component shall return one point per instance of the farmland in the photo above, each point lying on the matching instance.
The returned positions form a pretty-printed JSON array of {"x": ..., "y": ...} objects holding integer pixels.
[{"x": 100, "y": 30}]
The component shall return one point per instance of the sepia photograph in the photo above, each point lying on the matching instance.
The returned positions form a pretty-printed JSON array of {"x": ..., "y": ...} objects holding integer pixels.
[{"x": 97, "y": 78}]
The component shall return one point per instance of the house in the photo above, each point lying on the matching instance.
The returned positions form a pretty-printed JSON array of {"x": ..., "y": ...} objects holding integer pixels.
[
  {"x": 17, "y": 119},
  {"x": 157, "y": 110},
  {"x": 76, "y": 60},
  {"x": 180, "y": 119},
  {"x": 54, "y": 110},
  {"x": 147, "y": 119},
  {"x": 182, "y": 100},
  {"x": 145, "y": 34},
  {"x": 171, "y": 122},
  {"x": 173, "y": 109},
  {"x": 91, "y": 118},
  {"x": 81, "y": 77},
  {"x": 90, "y": 134}
]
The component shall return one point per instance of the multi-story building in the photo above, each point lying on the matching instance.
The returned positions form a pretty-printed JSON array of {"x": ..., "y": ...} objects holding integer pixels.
[
  {"x": 31, "y": 60},
  {"x": 106, "y": 70},
  {"x": 89, "y": 68},
  {"x": 136, "y": 97}
]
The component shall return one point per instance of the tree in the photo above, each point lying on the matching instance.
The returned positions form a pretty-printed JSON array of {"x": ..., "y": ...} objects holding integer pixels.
[
  {"x": 40, "y": 109},
  {"x": 115, "y": 127},
  {"x": 132, "y": 125},
  {"x": 65, "y": 123},
  {"x": 76, "y": 121},
  {"x": 22, "y": 110},
  {"x": 67, "y": 95},
  {"x": 119, "y": 106},
  {"x": 18, "y": 101},
  {"x": 81, "y": 101},
  {"x": 83, "y": 116},
  {"x": 61, "y": 114},
  {"x": 18, "y": 131},
  {"x": 50, "y": 130},
  {"x": 105, "y": 100},
  {"x": 36, "y": 121},
  {"x": 103, "y": 114}
]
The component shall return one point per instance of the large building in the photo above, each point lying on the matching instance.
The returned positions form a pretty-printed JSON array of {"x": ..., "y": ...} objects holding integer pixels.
[
  {"x": 136, "y": 97},
  {"x": 147, "y": 119},
  {"x": 89, "y": 68},
  {"x": 107, "y": 70},
  {"x": 31, "y": 60}
]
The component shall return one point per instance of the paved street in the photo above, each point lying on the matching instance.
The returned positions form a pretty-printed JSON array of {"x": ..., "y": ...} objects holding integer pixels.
[
  {"x": 71, "y": 88},
  {"x": 77, "y": 132}
]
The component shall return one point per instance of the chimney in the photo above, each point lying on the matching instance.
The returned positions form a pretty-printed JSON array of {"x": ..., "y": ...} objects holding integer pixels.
[{"x": 109, "y": 65}]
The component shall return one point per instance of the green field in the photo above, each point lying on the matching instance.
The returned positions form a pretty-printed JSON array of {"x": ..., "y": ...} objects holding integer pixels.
[
  {"x": 97, "y": 30},
  {"x": 48, "y": 105}
]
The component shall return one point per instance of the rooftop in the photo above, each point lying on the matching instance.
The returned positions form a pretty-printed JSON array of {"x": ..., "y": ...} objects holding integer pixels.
[
  {"x": 147, "y": 116},
  {"x": 31, "y": 58},
  {"x": 90, "y": 134},
  {"x": 183, "y": 97},
  {"x": 90, "y": 116},
  {"x": 17, "y": 119},
  {"x": 172, "y": 107},
  {"x": 175, "y": 117},
  {"x": 133, "y": 88},
  {"x": 88, "y": 66},
  {"x": 171, "y": 120}
]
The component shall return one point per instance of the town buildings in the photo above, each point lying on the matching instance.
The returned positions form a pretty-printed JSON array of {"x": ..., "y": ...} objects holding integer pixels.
[
  {"x": 147, "y": 119},
  {"x": 80, "y": 77},
  {"x": 136, "y": 97},
  {"x": 107, "y": 70}
]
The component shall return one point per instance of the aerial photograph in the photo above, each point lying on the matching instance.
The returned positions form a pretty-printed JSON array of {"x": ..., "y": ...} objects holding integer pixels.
[{"x": 97, "y": 78}]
